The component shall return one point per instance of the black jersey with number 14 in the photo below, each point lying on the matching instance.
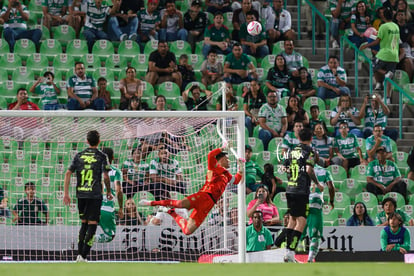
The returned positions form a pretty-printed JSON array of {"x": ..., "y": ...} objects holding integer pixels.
[
  {"x": 89, "y": 166},
  {"x": 298, "y": 179}
]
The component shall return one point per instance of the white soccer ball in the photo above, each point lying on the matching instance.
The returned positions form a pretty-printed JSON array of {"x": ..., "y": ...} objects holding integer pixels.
[{"x": 254, "y": 28}]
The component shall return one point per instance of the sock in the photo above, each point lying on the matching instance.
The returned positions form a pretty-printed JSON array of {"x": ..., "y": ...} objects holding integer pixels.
[
  {"x": 168, "y": 203},
  {"x": 180, "y": 221},
  {"x": 281, "y": 238},
  {"x": 81, "y": 237},
  {"x": 289, "y": 237},
  {"x": 89, "y": 239},
  {"x": 313, "y": 249},
  {"x": 295, "y": 239}
]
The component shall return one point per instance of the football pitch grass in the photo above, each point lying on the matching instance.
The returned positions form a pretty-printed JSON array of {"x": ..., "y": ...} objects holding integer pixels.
[{"x": 183, "y": 269}]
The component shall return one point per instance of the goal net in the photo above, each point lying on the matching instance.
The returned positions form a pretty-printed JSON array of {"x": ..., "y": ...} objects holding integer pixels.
[{"x": 160, "y": 155}]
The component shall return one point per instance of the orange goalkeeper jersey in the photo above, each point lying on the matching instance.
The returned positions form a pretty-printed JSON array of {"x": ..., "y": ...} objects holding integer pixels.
[{"x": 217, "y": 177}]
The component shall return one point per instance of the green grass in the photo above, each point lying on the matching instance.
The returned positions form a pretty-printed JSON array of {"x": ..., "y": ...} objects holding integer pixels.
[{"x": 112, "y": 269}]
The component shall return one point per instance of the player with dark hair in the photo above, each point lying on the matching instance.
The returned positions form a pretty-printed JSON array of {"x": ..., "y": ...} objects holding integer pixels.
[
  {"x": 299, "y": 169},
  {"x": 216, "y": 181},
  {"x": 107, "y": 221},
  {"x": 89, "y": 166}
]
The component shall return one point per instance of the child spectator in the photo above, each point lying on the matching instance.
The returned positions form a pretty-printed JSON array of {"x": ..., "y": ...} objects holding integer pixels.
[
  {"x": 48, "y": 91},
  {"x": 211, "y": 69},
  {"x": 314, "y": 119},
  {"x": 104, "y": 94},
  {"x": 186, "y": 70},
  {"x": 172, "y": 24},
  {"x": 217, "y": 37}
]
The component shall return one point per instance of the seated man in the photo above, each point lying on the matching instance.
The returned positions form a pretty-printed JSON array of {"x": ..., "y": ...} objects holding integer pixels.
[
  {"x": 332, "y": 80},
  {"x": 56, "y": 13},
  {"x": 240, "y": 17},
  {"x": 96, "y": 14},
  {"x": 395, "y": 237},
  {"x": 216, "y": 37},
  {"x": 165, "y": 175},
  {"x": 294, "y": 60},
  {"x": 282, "y": 24},
  {"x": 172, "y": 24},
  {"x": 377, "y": 140},
  {"x": 15, "y": 16},
  {"x": 162, "y": 66},
  {"x": 238, "y": 67},
  {"x": 82, "y": 91},
  {"x": 255, "y": 45},
  {"x": 26, "y": 211},
  {"x": 196, "y": 102},
  {"x": 390, "y": 206},
  {"x": 195, "y": 22},
  {"x": 124, "y": 25},
  {"x": 258, "y": 237},
  {"x": 341, "y": 18},
  {"x": 383, "y": 176},
  {"x": 148, "y": 23}
]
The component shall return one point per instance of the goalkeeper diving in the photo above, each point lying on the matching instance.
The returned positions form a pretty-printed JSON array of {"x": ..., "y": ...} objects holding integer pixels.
[{"x": 203, "y": 201}]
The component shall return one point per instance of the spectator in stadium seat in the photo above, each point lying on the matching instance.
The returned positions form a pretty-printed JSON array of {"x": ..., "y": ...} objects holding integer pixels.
[
  {"x": 255, "y": 45},
  {"x": 258, "y": 237},
  {"x": 252, "y": 171},
  {"x": 347, "y": 149},
  {"x": 253, "y": 99},
  {"x": 186, "y": 70},
  {"x": 295, "y": 113},
  {"x": 390, "y": 206},
  {"x": 238, "y": 67},
  {"x": 332, "y": 80},
  {"x": 294, "y": 60},
  {"x": 160, "y": 103},
  {"x": 282, "y": 24},
  {"x": 341, "y": 18},
  {"x": 272, "y": 119},
  {"x": 131, "y": 215},
  {"x": 23, "y": 128},
  {"x": 82, "y": 91},
  {"x": 130, "y": 87},
  {"x": 15, "y": 15},
  {"x": 231, "y": 100},
  {"x": 46, "y": 88},
  {"x": 376, "y": 140},
  {"x": 4, "y": 205},
  {"x": 303, "y": 85},
  {"x": 375, "y": 112},
  {"x": 240, "y": 17},
  {"x": 217, "y": 37},
  {"x": 395, "y": 237},
  {"x": 323, "y": 144},
  {"x": 383, "y": 176},
  {"x": 104, "y": 94},
  {"x": 56, "y": 13},
  {"x": 135, "y": 171},
  {"x": 222, "y": 6},
  {"x": 165, "y": 175},
  {"x": 360, "y": 22},
  {"x": 263, "y": 203},
  {"x": 149, "y": 21},
  {"x": 196, "y": 101},
  {"x": 345, "y": 112},
  {"x": 172, "y": 23},
  {"x": 27, "y": 209},
  {"x": 96, "y": 14},
  {"x": 272, "y": 182},
  {"x": 278, "y": 78},
  {"x": 360, "y": 216},
  {"x": 124, "y": 24},
  {"x": 211, "y": 69},
  {"x": 195, "y": 22},
  {"x": 291, "y": 139},
  {"x": 162, "y": 66}
]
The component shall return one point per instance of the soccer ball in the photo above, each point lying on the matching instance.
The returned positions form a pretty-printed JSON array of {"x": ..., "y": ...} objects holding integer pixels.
[{"x": 254, "y": 28}]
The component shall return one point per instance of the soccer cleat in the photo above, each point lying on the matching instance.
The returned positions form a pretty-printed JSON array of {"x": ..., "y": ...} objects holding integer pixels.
[
  {"x": 80, "y": 259},
  {"x": 144, "y": 202},
  {"x": 289, "y": 257},
  {"x": 163, "y": 209}
]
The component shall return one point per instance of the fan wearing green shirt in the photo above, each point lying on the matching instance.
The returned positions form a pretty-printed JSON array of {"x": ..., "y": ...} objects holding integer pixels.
[
  {"x": 258, "y": 237},
  {"x": 395, "y": 237},
  {"x": 390, "y": 206},
  {"x": 252, "y": 170}
]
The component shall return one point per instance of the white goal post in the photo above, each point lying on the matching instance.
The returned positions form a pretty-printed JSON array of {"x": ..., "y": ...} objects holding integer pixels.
[{"x": 38, "y": 146}]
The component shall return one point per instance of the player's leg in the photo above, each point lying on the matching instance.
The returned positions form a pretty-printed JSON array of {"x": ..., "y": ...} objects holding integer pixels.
[
  {"x": 315, "y": 229},
  {"x": 107, "y": 224},
  {"x": 93, "y": 215},
  {"x": 183, "y": 203},
  {"x": 84, "y": 226}
]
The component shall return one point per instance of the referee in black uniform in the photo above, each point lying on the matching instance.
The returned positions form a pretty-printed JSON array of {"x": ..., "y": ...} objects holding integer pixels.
[{"x": 89, "y": 166}]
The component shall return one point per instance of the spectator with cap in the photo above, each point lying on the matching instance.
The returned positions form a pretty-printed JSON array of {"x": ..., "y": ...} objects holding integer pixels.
[
  {"x": 195, "y": 22},
  {"x": 258, "y": 237},
  {"x": 383, "y": 176}
]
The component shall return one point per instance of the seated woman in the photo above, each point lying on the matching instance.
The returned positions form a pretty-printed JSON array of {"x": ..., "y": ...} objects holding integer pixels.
[
  {"x": 131, "y": 215},
  {"x": 253, "y": 99},
  {"x": 262, "y": 202},
  {"x": 129, "y": 86},
  {"x": 295, "y": 113},
  {"x": 345, "y": 112},
  {"x": 360, "y": 22},
  {"x": 323, "y": 144},
  {"x": 278, "y": 78},
  {"x": 360, "y": 216}
]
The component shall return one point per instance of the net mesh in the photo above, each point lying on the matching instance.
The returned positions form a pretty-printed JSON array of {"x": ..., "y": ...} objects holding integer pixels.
[{"x": 40, "y": 150}]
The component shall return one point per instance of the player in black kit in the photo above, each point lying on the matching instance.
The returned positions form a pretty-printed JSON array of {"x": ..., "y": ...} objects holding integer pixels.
[
  {"x": 89, "y": 166},
  {"x": 300, "y": 173}
]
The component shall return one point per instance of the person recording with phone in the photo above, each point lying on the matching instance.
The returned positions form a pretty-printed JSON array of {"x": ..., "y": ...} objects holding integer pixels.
[
  {"x": 196, "y": 101},
  {"x": 345, "y": 112},
  {"x": 46, "y": 88},
  {"x": 263, "y": 203}
]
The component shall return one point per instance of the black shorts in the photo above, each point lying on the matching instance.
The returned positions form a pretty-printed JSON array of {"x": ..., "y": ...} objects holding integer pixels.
[
  {"x": 385, "y": 65},
  {"x": 298, "y": 205},
  {"x": 89, "y": 208}
]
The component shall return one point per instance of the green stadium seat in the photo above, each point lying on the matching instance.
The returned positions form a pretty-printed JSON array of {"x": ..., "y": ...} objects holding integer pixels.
[
  {"x": 91, "y": 62},
  {"x": 338, "y": 173},
  {"x": 4, "y": 47},
  {"x": 255, "y": 143},
  {"x": 348, "y": 212},
  {"x": 103, "y": 49},
  {"x": 22, "y": 76},
  {"x": 128, "y": 49},
  {"x": 3, "y": 76},
  {"x": 51, "y": 48},
  {"x": 64, "y": 34},
  {"x": 305, "y": 62},
  {"x": 410, "y": 185},
  {"x": 77, "y": 49},
  {"x": 196, "y": 61},
  {"x": 359, "y": 173},
  {"x": 36, "y": 12},
  {"x": 150, "y": 47},
  {"x": 401, "y": 77},
  {"x": 340, "y": 222},
  {"x": 10, "y": 62},
  {"x": 363, "y": 147},
  {"x": 398, "y": 198},
  {"x": 280, "y": 200},
  {"x": 265, "y": 157},
  {"x": 331, "y": 103},
  {"x": 199, "y": 48},
  {"x": 118, "y": 64},
  {"x": 351, "y": 187},
  {"x": 45, "y": 31},
  {"x": 400, "y": 158},
  {"x": 341, "y": 201},
  {"x": 169, "y": 89},
  {"x": 329, "y": 215},
  {"x": 3, "y": 101},
  {"x": 268, "y": 62},
  {"x": 409, "y": 89},
  {"x": 37, "y": 63},
  {"x": 147, "y": 196},
  {"x": 140, "y": 63},
  {"x": 24, "y": 48},
  {"x": 253, "y": 60},
  {"x": 9, "y": 90},
  {"x": 178, "y": 104},
  {"x": 314, "y": 101},
  {"x": 180, "y": 47},
  {"x": 228, "y": 20},
  {"x": 278, "y": 47},
  {"x": 64, "y": 63},
  {"x": 369, "y": 199},
  {"x": 325, "y": 116},
  {"x": 408, "y": 209}
]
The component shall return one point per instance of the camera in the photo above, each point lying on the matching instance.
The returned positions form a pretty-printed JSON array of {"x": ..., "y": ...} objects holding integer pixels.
[
  {"x": 372, "y": 97},
  {"x": 260, "y": 196}
]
